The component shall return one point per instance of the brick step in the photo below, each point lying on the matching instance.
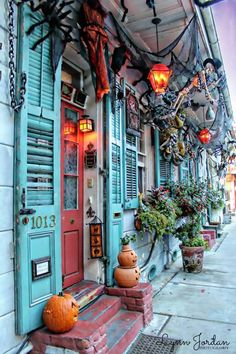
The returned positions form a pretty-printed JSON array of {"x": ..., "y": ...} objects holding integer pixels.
[
  {"x": 107, "y": 326},
  {"x": 122, "y": 329},
  {"x": 102, "y": 310},
  {"x": 85, "y": 292}
]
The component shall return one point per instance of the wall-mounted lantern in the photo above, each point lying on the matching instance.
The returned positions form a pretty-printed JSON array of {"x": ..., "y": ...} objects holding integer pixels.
[
  {"x": 204, "y": 136},
  {"x": 95, "y": 231},
  {"x": 86, "y": 124}
]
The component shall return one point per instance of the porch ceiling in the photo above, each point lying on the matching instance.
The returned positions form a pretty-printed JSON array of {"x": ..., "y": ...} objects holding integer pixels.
[{"x": 174, "y": 15}]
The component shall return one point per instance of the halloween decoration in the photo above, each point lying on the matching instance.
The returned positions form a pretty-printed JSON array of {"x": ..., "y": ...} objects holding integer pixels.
[
  {"x": 91, "y": 20},
  {"x": 117, "y": 95},
  {"x": 176, "y": 111},
  {"x": 58, "y": 31},
  {"x": 132, "y": 115},
  {"x": 95, "y": 231},
  {"x": 150, "y": 3},
  {"x": 204, "y": 136},
  {"x": 159, "y": 77},
  {"x": 127, "y": 274},
  {"x": 16, "y": 105},
  {"x": 60, "y": 313},
  {"x": 125, "y": 10},
  {"x": 119, "y": 57},
  {"x": 206, "y": 3}
]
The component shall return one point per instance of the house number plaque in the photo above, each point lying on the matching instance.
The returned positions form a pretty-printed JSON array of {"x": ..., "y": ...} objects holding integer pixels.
[{"x": 38, "y": 222}]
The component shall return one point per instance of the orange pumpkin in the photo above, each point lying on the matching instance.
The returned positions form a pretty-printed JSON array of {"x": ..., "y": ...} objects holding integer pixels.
[{"x": 60, "y": 313}]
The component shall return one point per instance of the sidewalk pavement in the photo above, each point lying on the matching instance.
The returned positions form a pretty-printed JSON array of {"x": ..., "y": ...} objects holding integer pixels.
[{"x": 199, "y": 309}]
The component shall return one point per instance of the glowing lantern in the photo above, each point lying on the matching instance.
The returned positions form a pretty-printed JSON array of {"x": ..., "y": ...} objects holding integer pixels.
[
  {"x": 86, "y": 124},
  {"x": 159, "y": 77},
  {"x": 204, "y": 136},
  {"x": 69, "y": 127}
]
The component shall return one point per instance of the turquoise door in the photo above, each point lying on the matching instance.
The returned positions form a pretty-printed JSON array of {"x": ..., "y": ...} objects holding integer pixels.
[
  {"x": 114, "y": 186},
  {"x": 37, "y": 187}
]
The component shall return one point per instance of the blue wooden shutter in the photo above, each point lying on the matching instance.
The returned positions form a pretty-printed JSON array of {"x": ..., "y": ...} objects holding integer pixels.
[
  {"x": 116, "y": 156},
  {"x": 184, "y": 170},
  {"x": 166, "y": 171},
  {"x": 130, "y": 163},
  {"x": 37, "y": 178},
  {"x": 114, "y": 186}
]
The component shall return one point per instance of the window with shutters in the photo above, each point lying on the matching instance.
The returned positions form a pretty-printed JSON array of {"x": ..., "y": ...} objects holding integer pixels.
[
  {"x": 39, "y": 161},
  {"x": 116, "y": 150},
  {"x": 184, "y": 170},
  {"x": 131, "y": 172},
  {"x": 116, "y": 175},
  {"x": 141, "y": 159},
  {"x": 165, "y": 172}
]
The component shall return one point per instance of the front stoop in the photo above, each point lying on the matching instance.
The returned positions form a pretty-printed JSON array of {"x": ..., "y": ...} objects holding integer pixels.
[
  {"x": 138, "y": 299},
  {"x": 108, "y": 326}
]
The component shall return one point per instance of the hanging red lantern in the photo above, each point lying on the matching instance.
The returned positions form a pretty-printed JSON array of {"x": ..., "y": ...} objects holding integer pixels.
[
  {"x": 69, "y": 127},
  {"x": 204, "y": 136},
  {"x": 159, "y": 77}
]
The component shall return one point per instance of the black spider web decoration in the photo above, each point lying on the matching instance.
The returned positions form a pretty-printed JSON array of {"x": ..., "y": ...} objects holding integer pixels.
[{"x": 59, "y": 31}]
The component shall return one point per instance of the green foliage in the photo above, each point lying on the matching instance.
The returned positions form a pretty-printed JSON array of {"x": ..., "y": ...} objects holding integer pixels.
[
  {"x": 215, "y": 199},
  {"x": 159, "y": 199},
  {"x": 192, "y": 198},
  {"x": 195, "y": 242},
  {"x": 152, "y": 220},
  {"x": 126, "y": 239}
]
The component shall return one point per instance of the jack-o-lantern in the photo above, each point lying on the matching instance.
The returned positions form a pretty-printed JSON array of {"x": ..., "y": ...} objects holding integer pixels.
[{"x": 60, "y": 313}]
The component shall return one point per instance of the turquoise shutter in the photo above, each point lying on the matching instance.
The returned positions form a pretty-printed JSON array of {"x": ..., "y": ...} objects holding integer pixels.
[
  {"x": 114, "y": 187},
  {"x": 184, "y": 170},
  {"x": 166, "y": 171},
  {"x": 37, "y": 192},
  {"x": 130, "y": 163}
]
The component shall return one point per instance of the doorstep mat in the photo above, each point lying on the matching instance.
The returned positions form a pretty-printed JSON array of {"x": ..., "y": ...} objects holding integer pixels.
[{"x": 146, "y": 344}]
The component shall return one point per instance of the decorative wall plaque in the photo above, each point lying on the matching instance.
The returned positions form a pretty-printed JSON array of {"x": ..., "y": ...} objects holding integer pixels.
[
  {"x": 41, "y": 267},
  {"x": 90, "y": 157},
  {"x": 132, "y": 115}
]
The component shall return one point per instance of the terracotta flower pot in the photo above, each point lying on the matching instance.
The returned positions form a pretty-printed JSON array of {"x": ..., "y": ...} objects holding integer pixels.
[
  {"x": 192, "y": 258},
  {"x": 127, "y": 257},
  {"x": 138, "y": 224},
  {"x": 127, "y": 277}
]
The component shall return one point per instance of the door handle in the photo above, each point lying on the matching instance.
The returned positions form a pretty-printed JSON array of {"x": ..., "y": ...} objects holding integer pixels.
[{"x": 27, "y": 211}]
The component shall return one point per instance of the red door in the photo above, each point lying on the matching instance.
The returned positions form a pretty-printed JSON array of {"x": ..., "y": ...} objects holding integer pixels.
[{"x": 71, "y": 195}]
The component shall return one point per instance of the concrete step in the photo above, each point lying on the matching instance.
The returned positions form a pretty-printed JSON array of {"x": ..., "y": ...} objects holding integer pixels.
[{"x": 122, "y": 330}]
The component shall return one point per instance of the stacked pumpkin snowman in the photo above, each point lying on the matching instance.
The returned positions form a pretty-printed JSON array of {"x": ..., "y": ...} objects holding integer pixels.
[{"x": 127, "y": 274}]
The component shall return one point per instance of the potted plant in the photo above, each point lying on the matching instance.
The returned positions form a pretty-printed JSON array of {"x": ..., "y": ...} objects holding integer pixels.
[
  {"x": 151, "y": 220},
  {"x": 191, "y": 197},
  {"x": 160, "y": 200},
  {"x": 217, "y": 204}
]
